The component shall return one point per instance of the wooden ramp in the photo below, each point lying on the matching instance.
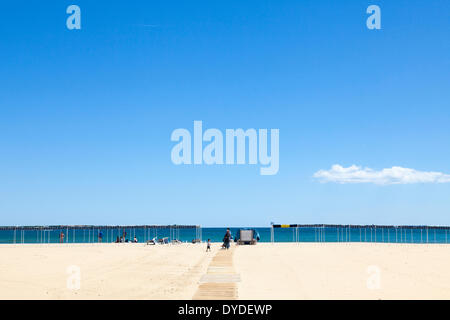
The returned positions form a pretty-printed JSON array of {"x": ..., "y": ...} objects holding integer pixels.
[{"x": 220, "y": 280}]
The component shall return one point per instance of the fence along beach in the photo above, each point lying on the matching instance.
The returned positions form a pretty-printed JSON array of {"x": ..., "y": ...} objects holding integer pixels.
[
  {"x": 187, "y": 233},
  {"x": 91, "y": 233}
]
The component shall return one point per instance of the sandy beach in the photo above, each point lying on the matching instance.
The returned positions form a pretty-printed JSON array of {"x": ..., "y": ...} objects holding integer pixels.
[
  {"x": 264, "y": 271},
  {"x": 106, "y": 271},
  {"x": 344, "y": 271}
]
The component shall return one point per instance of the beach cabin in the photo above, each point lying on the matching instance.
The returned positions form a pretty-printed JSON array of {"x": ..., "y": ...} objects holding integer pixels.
[{"x": 247, "y": 236}]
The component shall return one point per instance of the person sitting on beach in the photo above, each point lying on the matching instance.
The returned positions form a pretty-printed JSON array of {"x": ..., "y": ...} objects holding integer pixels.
[
  {"x": 135, "y": 240},
  {"x": 117, "y": 239},
  {"x": 208, "y": 245}
]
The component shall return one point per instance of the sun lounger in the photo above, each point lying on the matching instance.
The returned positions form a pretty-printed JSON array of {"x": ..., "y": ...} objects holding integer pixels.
[
  {"x": 151, "y": 242},
  {"x": 164, "y": 241}
]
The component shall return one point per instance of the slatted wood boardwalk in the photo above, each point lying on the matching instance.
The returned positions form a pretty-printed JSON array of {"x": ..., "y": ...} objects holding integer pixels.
[{"x": 220, "y": 280}]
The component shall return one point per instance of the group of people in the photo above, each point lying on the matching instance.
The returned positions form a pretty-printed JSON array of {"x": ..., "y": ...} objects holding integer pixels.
[
  {"x": 226, "y": 241},
  {"x": 100, "y": 238},
  {"x": 124, "y": 238}
]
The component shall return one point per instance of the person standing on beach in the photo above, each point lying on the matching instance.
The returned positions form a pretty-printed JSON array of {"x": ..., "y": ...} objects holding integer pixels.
[
  {"x": 61, "y": 237},
  {"x": 100, "y": 237},
  {"x": 208, "y": 245},
  {"x": 227, "y": 239}
]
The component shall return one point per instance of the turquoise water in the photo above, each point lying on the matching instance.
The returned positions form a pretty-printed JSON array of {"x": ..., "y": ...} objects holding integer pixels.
[{"x": 365, "y": 234}]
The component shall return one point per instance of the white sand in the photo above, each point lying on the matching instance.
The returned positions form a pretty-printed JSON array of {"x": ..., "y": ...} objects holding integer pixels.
[
  {"x": 107, "y": 271},
  {"x": 340, "y": 271},
  {"x": 267, "y": 271}
]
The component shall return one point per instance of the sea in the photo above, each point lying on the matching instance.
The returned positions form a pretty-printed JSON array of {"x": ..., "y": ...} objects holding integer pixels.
[{"x": 304, "y": 234}]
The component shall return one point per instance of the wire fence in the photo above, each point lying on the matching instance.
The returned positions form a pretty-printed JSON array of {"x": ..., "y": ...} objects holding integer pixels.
[
  {"x": 96, "y": 234},
  {"x": 360, "y": 233}
]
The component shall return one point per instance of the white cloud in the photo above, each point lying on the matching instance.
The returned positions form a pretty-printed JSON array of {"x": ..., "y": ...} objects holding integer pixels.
[{"x": 394, "y": 175}]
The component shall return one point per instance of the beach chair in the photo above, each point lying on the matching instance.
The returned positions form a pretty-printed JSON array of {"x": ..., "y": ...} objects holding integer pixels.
[
  {"x": 164, "y": 240},
  {"x": 151, "y": 242}
]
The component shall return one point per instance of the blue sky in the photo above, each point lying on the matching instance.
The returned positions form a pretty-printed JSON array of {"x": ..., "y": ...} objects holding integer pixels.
[{"x": 86, "y": 115}]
